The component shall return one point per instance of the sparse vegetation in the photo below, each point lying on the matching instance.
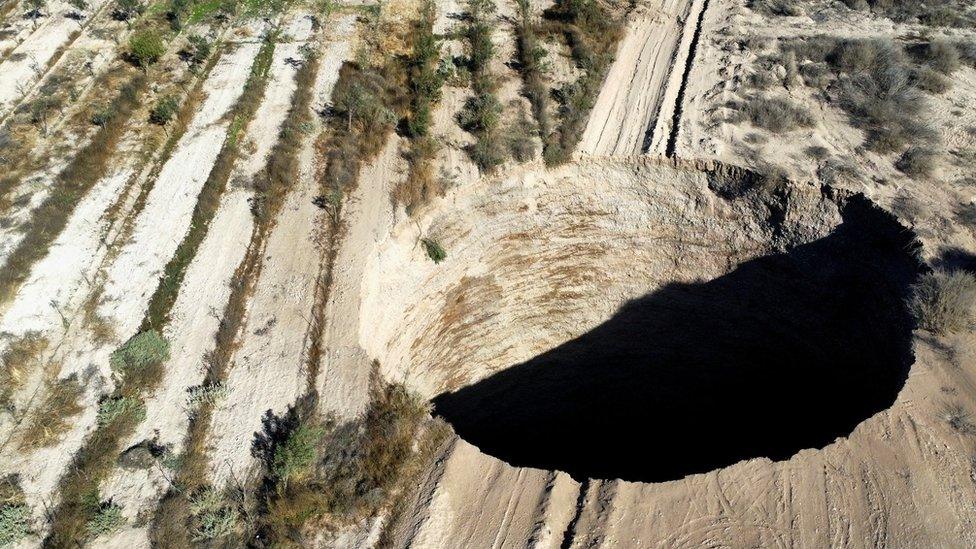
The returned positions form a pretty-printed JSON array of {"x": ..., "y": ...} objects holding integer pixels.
[
  {"x": 359, "y": 465},
  {"x": 425, "y": 80},
  {"x": 178, "y": 521},
  {"x": 945, "y": 301},
  {"x": 81, "y": 173},
  {"x": 482, "y": 112},
  {"x": 213, "y": 188},
  {"x": 592, "y": 31},
  {"x": 531, "y": 56}
]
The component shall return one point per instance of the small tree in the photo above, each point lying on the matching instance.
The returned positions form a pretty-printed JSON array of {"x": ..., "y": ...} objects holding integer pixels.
[
  {"x": 126, "y": 10},
  {"x": 196, "y": 51},
  {"x": 164, "y": 110},
  {"x": 145, "y": 48},
  {"x": 35, "y": 9}
]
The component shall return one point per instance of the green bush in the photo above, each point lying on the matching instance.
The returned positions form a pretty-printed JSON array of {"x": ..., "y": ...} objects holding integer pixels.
[
  {"x": 113, "y": 408},
  {"x": 294, "y": 458},
  {"x": 146, "y": 47},
  {"x": 944, "y": 301},
  {"x": 481, "y": 113},
  {"x": 142, "y": 351},
  {"x": 165, "y": 110},
  {"x": 434, "y": 250}
]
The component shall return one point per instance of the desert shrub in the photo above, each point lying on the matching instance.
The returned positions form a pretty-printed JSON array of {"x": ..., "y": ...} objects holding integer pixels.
[
  {"x": 944, "y": 301},
  {"x": 762, "y": 79},
  {"x": 359, "y": 464},
  {"x": 106, "y": 518},
  {"x": 210, "y": 394},
  {"x": 212, "y": 515},
  {"x": 143, "y": 351},
  {"x": 102, "y": 116},
  {"x": 434, "y": 250},
  {"x": 113, "y": 408},
  {"x": 817, "y": 152},
  {"x": 52, "y": 419},
  {"x": 520, "y": 143},
  {"x": 930, "y": 80},
  {"x": 942, "y": 56},
  {"x": 967, "y": 51},
  {"x": 477, "y": 33},
  {"x": 146, "y": 47},
  {"x": 918, "y": 162},
  {"x": 164, "y": 110},
  {"x": 196, "y": 51},
  {"x": 481, "y": 113},
  {"x": 879, "y": 96},
  {"x": 294, "y": 458},
  {"x": 14, "y": 522},
  {"x": 861, "y": 55},
  {"x": 815, "y": 75},
  {"x": 777, "y": 115}
]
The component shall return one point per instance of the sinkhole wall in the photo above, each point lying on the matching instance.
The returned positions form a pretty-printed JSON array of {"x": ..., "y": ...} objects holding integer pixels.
[{"x": 638, "y": 320}]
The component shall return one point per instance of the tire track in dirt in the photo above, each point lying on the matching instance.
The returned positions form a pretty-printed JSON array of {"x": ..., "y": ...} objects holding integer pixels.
[{"x": 633, "y": 111}]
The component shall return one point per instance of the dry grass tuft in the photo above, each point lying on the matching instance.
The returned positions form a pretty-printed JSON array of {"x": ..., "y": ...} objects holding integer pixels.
[
  {"x": 20, "y": 357},
  {"x": 52, "y": 418},
  {"x": 944, "y": 302}
]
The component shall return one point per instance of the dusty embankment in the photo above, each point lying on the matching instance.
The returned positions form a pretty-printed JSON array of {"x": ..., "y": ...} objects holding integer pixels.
[
  {"x": 634, "y": 111},
  {"x": 528, "y": 303}
]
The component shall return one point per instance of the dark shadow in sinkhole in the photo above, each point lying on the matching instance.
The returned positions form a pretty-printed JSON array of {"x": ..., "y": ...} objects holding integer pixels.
[{"x": 786, "y": 352}]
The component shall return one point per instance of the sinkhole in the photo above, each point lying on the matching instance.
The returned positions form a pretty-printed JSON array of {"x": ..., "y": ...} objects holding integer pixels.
[{"x": 778, "y": 348}]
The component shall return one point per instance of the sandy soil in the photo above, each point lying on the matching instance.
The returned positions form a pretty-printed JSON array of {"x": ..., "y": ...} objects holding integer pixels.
[
  {"x": 345, "y": 366},
  {"x": 132, "y": 277},
  {"x": 269, "y": 368},
  {"x": 29, "y": 59}
]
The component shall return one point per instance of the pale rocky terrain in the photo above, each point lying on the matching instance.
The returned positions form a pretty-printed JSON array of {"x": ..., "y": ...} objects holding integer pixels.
[{"x": 691, "y": 333}]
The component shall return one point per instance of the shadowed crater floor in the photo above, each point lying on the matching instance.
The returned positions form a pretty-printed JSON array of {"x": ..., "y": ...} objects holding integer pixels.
[{"x": 786, "y": 352}]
